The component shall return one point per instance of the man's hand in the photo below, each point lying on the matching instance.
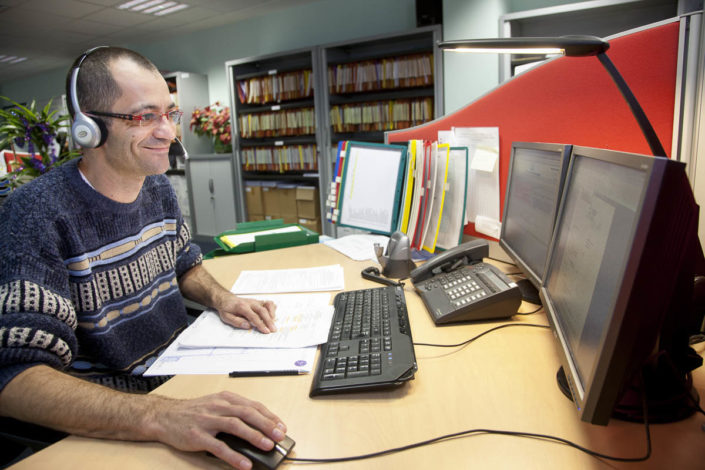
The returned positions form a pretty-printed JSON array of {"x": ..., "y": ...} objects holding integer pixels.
[
  {"x": 51, "y": 398},
  {"x": 198, "y": 285},
  {"x": 191, "y": 425},
  {"x": 246, "y": 313}
]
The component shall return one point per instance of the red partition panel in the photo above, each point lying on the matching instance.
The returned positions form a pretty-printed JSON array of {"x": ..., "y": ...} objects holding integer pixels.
[{"x": 573, "y": 100}]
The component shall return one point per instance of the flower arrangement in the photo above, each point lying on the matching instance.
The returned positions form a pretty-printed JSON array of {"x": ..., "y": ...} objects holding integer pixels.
[
  {"x": 213, "y": 121},
  {"x": 40, "y": 133}
]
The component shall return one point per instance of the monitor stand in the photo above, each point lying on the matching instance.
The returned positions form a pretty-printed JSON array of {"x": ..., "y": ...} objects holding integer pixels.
[
  {"x": 670, "y": 396},
  {"x": 529, "y": 293}
]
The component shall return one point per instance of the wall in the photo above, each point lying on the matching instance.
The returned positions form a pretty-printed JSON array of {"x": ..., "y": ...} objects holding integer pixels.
[
  {"x": 317, "y": 23},
  {"x": 469, "y": 76}
]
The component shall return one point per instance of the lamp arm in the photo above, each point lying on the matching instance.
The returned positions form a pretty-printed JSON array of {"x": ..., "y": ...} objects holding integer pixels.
[{"x": 639, "y": 114}]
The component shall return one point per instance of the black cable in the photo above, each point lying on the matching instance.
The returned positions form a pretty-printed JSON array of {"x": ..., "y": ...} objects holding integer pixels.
[
  {"x": 480, "y": 335},
  {"x": 530, "y": 313},
  {"x": 529, "y": 435},
  {"x": 468, "y": 432},
  {"x": 501, "y": 261}
]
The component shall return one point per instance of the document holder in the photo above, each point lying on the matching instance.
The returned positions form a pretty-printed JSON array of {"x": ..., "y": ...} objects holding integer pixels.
[{"x": 263, "y": 238}]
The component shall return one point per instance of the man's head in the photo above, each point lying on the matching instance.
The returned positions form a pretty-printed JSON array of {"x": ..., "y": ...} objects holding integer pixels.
[
  {"x": 123, "y": 90},
  {"x": 96, "y": 88}
]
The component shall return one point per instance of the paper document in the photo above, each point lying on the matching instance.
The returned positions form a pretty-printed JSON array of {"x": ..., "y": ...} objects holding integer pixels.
[
  {"x": 302, "y": 320},
  {"x": 358, "y": 247},
  {"x": 323, "y": 278},
  {"x": 175, "y": 360},
  {"x": 483, "y": 184}
]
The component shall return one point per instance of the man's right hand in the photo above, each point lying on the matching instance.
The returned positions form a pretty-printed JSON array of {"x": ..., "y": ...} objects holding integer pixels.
[
  {"x": 45, "y": 396},
  {"x": 192, "y": 424}
]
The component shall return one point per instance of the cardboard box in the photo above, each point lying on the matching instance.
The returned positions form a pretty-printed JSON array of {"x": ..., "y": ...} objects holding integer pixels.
[
  {"x": 307, "y": 203},
  {"x": 286, "y": 195},
  {"x": 253, "y": 198},
  {"x": 270, "y": 200},
  {"x": 311, "y": 224}
]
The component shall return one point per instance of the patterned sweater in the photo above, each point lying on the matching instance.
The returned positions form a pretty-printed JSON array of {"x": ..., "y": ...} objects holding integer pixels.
[{"x": 89, "y": 285}]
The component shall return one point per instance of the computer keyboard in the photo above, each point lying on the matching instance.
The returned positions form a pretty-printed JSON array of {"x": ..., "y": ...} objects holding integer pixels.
[{"x": 369, "y": 345}]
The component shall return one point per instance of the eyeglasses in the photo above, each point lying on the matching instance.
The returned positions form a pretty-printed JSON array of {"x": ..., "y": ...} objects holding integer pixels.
[{"x": 149, "y": 119}]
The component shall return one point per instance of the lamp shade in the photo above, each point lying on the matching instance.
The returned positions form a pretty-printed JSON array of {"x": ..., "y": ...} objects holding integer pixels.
[{"x": 572, "y": 46}]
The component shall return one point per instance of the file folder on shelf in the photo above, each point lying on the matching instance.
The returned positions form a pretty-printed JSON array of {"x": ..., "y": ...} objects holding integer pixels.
[{"x": 264, "y": 235}]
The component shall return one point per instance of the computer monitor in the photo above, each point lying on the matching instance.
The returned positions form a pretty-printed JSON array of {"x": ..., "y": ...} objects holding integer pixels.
[
  {"x": 619, "y": 282},
  {"x": 534, "y": 185}
]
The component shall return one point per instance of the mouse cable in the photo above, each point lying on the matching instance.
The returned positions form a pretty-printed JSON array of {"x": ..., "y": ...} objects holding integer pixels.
[
  {"x": 480, "y": 335},
  {"x": 529, "y": 435}
]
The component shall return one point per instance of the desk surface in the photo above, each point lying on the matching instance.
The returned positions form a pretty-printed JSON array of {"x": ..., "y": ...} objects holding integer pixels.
[{"x": 503, "y": 381}]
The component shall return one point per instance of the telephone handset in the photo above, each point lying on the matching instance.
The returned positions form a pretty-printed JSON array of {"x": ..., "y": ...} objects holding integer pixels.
[{"x": 458, "y": 286}]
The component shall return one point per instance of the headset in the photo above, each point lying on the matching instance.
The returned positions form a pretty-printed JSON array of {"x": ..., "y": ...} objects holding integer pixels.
[{"x": 86, "y": 131}]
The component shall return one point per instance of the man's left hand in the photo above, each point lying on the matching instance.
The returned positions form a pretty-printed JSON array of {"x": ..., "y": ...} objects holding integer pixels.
[{"x": 247, "y": 313}]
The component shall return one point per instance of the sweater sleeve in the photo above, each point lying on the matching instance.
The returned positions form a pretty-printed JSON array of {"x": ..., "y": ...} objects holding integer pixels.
[{"x": 37, "y": 317}]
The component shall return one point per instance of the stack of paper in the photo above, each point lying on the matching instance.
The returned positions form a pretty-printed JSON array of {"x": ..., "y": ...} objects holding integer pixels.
[{"x": 209, "y": 346}]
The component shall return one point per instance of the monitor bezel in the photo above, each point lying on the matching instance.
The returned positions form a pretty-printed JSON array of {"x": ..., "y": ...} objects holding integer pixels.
[
  {"x": 565, "y": 150},
  {"x": 627, "y": 330}
]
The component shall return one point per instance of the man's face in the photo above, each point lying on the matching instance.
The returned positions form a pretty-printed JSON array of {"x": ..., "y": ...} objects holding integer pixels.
[{"x": 133, "y": 149}]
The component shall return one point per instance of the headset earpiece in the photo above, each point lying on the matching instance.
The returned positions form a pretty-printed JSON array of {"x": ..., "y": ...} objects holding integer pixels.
[{"x": 86, "y": 131}]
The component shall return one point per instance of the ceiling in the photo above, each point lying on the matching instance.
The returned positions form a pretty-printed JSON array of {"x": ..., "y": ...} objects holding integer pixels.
[{"x": 52, "y": 33}]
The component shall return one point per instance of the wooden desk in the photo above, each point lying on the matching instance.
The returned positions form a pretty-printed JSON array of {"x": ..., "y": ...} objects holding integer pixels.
[{"x": 505, "y": 381}]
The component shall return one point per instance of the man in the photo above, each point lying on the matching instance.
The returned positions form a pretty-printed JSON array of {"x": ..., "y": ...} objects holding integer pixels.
[{"x": 94, "y": 257}]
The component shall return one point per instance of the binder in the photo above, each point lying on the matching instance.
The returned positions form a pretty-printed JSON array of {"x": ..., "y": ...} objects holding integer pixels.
[
  {"x": 450, "y": 233},
  {"x": 408, "y": 186},
  {"x": 438, "y": 200},
  {"x": 423, "y": 196},
  {"x": 371, "y": 186},
  {"x": 267, "y": 235}
]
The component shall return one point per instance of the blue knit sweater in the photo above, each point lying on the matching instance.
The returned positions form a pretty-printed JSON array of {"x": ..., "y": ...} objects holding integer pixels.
[{"x": 89, "y": 285}]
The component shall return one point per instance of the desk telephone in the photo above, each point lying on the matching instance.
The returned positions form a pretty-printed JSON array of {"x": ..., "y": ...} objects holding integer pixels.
[{"x": 458, "y": 286}]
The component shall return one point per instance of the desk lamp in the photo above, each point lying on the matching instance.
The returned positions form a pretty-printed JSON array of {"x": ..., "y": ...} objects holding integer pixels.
[{"x": 571, "y": 46}]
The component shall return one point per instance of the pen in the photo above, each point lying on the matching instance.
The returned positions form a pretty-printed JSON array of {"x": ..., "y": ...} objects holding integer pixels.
[{"x": 264, "y": 373}]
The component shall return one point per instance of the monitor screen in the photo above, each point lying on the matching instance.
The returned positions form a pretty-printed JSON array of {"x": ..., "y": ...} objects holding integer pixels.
[
  {"x": 619, "y": 273},
  {"x": 534, "y": 185}
]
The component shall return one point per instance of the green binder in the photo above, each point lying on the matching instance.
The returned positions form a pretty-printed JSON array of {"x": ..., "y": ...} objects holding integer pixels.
[{"x": 264, "y": 238}]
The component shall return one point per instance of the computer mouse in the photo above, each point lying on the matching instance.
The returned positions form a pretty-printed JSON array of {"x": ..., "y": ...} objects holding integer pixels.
[{"x": 261, "y": 459}]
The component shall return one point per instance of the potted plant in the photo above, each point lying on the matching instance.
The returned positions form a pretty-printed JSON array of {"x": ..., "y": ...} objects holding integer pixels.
[
  {"x": 214, "y": 122},
  {"x": 40, "y": 134}
]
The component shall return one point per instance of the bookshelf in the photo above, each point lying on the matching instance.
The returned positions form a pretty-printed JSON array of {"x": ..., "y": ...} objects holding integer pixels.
[
  {"x": 274, "y": 121},
  {"x": 382, "y": 83},
  {"x": 291, "y": 109}
]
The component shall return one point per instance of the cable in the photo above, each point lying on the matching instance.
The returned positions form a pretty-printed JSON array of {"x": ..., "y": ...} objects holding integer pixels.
[
  {"x": 468, "y": 432},
  {"x": 480, "y": 335},
  {"x": 501, "y": 261},
  {"x": 528, "y": 435},
  {"x": 530, "y": 313}
]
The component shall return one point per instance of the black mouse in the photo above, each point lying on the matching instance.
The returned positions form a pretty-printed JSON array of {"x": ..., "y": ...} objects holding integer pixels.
[{"x": 261, "y": 459}]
